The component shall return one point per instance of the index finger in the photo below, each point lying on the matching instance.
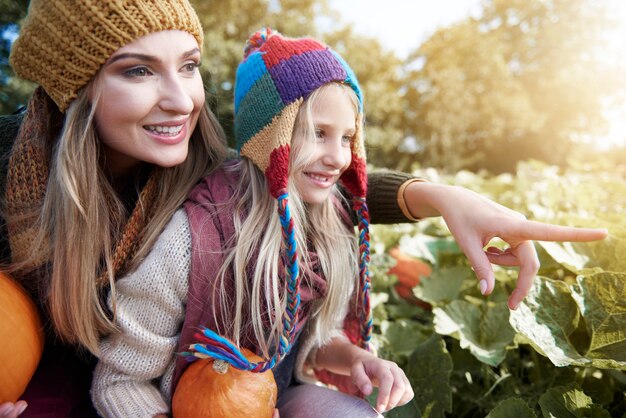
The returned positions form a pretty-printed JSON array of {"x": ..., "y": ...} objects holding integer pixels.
[{"x": 539, "y": 231}]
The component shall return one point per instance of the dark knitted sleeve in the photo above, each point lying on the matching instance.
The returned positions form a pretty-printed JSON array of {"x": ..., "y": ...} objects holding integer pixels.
[
  {"x": 9, "y": 125},
  {"x": 382, "y": 196}
]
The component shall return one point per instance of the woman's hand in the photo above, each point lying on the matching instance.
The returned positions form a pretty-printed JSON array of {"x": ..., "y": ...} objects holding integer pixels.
[
  {"x": 12, "y": 410},
  {"x": 475, "y": 220}
]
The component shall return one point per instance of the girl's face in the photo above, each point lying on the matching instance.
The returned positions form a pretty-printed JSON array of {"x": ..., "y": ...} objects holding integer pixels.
[
  {"x": 149, "y": 98},
  {"x": 334, "y": 118}
]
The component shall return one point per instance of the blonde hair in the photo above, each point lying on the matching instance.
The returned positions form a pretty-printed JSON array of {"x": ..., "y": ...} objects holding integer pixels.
[
  {"x": 82, "y": 217},
  {"x": 259, "y": 290}
]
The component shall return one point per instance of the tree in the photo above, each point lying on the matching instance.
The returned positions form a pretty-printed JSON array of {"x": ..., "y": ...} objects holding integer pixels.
[
  {"x": 522, "y": 81},
  {"x": 14, "y": 92}
]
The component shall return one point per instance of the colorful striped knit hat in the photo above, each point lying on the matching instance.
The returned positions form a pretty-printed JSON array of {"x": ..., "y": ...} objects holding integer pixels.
[{"x": 274, "y": 79}]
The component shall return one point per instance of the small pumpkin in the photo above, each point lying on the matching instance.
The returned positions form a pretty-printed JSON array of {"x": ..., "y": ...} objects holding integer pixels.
[
  {"x": 408, "y": 270},
  {"x": 22, "y": 339},
  {"x": 213, "y": 388}
]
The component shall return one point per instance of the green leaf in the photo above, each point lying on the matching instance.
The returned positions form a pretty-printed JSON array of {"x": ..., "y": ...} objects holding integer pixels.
[
  {"x": 484, "y": 329},
  {"x": 512, "y": 407},
  {"x": 410, "y": 410},
  {"x": 601, "y": 299},
  {"x": 608, "y": 254},
  {"x": 546, "y": 318},
  {"x": 565, "y": 254},
  {"x": 570, "y": 401},
  {"x": 443, "y": 285},
  {"x": 404, "y": 335},
  {"x": 549, "y": 319},
  {"x": 429, "y": 371}
]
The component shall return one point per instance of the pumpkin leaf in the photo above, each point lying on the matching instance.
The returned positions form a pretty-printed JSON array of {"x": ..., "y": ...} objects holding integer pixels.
[
  {"x": 546, "y": 318},
  {"x": 429, "y": 371},
  {"x": 601, "y": 299},
  {"x": 570, "y": 401},
  {"x": 512, "y": 407},
  {"x": 555, "y": 317},
  {"x": 404, "y": 335},
  {"x": 484, "y": 329},
  {"x": 443, "y": 285}
]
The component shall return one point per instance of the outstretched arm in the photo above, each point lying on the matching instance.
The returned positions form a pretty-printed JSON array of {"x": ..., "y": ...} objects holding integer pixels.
[{"x": 474, "y": 220}]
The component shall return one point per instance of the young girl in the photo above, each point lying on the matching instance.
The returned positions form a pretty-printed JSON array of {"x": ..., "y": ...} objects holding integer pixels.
[{"x": 270, "y": 259}]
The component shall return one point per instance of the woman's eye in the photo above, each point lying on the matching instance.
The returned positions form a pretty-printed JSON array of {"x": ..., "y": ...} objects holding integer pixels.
[
  {"x": 191, "y": 66},
  {"x": 137, "y": 72}
]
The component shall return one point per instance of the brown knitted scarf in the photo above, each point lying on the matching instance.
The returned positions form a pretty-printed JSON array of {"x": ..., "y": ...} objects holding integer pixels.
[{"x": 26, "y": 186}]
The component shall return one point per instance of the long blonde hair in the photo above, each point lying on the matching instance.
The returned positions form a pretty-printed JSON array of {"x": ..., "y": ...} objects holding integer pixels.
[
  {"x": 254, "y": 256},
  {"x": 82, "y": 217}
]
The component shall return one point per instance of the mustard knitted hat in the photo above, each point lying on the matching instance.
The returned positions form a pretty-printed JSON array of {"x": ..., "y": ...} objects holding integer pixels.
[{"x": 63, "y": 43}]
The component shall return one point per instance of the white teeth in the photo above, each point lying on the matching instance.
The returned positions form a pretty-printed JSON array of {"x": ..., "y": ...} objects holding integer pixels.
[
  {"x": 165, "y": 130},
  {"x": 317, "y": 177}
]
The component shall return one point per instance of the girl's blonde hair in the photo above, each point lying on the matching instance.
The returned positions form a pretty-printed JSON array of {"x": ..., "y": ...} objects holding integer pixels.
[
  {"x": 82, "y": 217},
  {"x": 255, "y": 251}
]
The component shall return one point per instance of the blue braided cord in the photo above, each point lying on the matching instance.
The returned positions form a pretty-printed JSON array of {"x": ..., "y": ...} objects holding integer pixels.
[{"x": 364, "y": 280}]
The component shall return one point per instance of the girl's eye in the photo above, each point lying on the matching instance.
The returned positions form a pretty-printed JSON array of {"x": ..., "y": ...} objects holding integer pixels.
[
  {"x": 347, "y": 139},
  {"x": 319, "y": 134},
  {"x": 137, "y": 72}
]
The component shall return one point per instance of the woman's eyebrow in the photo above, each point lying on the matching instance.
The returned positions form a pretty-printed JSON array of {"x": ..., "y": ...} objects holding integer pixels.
[{"x": 146, "y": 57}]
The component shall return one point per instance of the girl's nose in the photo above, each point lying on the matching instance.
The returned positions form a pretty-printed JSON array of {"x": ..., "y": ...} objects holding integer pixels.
[{"x": 336, "y": 154}]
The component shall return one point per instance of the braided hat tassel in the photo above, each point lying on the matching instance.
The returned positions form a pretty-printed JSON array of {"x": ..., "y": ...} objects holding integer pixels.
[{"x": 365, "y": 311}]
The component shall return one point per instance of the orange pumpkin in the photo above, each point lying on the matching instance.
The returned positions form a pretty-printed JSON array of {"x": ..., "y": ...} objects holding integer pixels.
[
  {"x": 22, "y": 339},
  {"x": 212, "y": 388},
  {"x": 408, "y": 270}
]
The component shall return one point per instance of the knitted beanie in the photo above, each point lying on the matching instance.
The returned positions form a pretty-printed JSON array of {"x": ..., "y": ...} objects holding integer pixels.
[
  {"x": 63, "y": 43},
  {"x": 274, "y": 79}
]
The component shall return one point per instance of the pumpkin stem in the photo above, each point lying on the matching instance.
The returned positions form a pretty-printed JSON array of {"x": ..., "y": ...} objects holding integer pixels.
[{"x": 220, "y": 366}]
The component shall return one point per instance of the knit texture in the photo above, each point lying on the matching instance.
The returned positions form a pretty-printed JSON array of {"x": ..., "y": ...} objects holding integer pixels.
[
  {"x": 135, "y": 375},
  {"x": 63, "y": 43}
]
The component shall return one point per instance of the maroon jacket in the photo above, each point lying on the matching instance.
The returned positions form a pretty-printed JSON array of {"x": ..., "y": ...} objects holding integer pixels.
[{"x": 210, "y": 210}]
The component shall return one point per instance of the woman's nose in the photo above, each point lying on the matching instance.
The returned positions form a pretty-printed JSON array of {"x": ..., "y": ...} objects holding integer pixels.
[{"x": 175, "y": 96}]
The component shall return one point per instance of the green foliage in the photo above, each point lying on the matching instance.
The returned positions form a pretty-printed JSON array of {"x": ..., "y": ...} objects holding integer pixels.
[{"x": 562, "y": 353}]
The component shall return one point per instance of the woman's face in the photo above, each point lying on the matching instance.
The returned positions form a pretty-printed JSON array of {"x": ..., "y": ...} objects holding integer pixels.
[
  {"x": 151, "y": 94},
  {"x": 334, "y": 119}
]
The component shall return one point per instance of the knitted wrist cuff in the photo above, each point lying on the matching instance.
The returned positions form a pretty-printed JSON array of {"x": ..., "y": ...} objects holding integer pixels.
[{"x": 382, "y": 197}]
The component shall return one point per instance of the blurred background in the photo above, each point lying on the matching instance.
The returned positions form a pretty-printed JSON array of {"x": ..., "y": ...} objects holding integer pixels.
[{"x": 460, "y": 84}]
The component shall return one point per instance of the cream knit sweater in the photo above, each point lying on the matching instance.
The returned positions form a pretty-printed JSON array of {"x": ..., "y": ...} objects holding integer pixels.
[{"x": 133, "y": 377}]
